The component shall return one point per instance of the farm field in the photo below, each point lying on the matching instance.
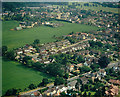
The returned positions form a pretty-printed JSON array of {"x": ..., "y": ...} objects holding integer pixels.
[
  {"x": 15, "y": 75},
  {"x": 14, "y": 39}
]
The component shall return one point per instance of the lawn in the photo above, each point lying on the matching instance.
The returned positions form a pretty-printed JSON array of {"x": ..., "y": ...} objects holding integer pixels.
[
  {"x": 14, "y": 39},
  {"x": 15, "y": 75}
]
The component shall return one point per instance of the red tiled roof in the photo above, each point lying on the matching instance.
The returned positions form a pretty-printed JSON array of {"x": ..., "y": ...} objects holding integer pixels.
[
  {"x": 112, "y": 91},
  {"x": 114, "y": 81}
]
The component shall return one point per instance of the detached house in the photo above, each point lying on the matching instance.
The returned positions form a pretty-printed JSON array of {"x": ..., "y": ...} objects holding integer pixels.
[
  {"x": 116, "y": 82},
  {"x": 102, "y": 72},
  {"x": 113, "y": 91}
]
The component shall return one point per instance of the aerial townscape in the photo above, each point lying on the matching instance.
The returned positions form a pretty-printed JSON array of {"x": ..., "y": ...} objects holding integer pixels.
[{"x": 60, "y": 49}]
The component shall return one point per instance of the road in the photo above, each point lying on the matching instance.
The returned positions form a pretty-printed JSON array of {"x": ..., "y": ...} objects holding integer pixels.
[
  {"x": 74, "y": 44},
  {"x": 73, "y": 78},
  {"x": 112, "y": 64},
  {"x": 49, "y": 85},
  {"x": 76, "y": 77},
  {"x": 34, "y": 90}
]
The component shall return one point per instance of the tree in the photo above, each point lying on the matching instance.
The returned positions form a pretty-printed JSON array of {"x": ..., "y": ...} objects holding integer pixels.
[
  {"x": 80, "y": 59},
  {"x": 36, "y": 41},
  {"x": 45, "y": 81},
  {"x": 84, "y": 69},
  {"x": 59, "y": 81},
  {"x": 30, "y": 63},
  {"x": 11, "y": 92},
  {"x": 98, "y": 93},
  {"x": 66, "y": 63},
  {"x": 77, "y": 85},
  {"x": 94, "y": 67},
  {"x": 55, "y": 69},
  {"x": 103, "y": 90},
  {"x": 31, "y": 86},
  {"x": 4, "y": 50},
  {"x": 66, "y": 75},
  {"x": 108, "y": 46},
  {"x": 85, "y": 94},
  {"x": 82, "y": 88},
  {"x": 89, "y": 94},
  {"x": 103, "y": 61},
  {"x": 10, "y": 55},
  {"x": 25, "y": 59},
  {"x": 99, "y": 44}
]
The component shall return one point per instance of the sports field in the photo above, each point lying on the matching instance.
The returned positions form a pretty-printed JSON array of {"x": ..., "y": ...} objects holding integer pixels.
[
  {"x": 15, "y": 75},
  {"x": 14, "y": 39}
]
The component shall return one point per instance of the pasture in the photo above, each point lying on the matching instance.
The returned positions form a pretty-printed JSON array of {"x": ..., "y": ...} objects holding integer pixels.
[
  {"x": 14, "y": 39},
  {"x": 98, "y": 8}
]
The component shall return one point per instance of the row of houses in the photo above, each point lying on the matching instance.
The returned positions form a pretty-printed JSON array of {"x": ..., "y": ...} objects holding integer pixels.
[
  {"x": 77, "y": 46},
  {"x": 50, "y": 24},
  {"x": 23, "y": 25},
  {"x": 56, "y": 90},
  {"x": 48, "y": 49}
]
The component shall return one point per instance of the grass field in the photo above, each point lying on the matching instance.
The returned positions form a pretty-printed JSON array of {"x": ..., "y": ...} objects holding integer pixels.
[
  {"x": 98, "y": 8},
  {"x": 14, "y": 39},
  {"x": 15, "y": 75},
  {"x": 0, "y": 76}
]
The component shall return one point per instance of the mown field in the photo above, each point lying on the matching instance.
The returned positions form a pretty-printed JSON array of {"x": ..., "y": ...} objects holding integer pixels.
[
  {"x": 14, "y": 39},
  {"x": 15, "y": 75}
]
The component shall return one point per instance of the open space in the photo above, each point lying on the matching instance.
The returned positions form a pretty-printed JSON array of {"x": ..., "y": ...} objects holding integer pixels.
[
  {"x": 14, "y": 39},
  {"x": 98, "y": 8},
  {"x": 15, "y": 75}
]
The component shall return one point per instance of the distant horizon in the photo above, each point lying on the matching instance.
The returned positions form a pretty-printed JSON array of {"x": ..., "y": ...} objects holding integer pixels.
[{"x": 59, "y": 0}]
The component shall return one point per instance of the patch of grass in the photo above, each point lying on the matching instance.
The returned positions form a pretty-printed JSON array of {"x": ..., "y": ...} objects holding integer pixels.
[
  {"x": 14, "y": 39},
  {"x": 15, "y": 75},
  {"x": 92, "y": 93}
]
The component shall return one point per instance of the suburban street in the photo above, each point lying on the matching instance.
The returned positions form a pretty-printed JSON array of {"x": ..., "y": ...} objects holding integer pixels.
[{"x": 34, "y": 90}]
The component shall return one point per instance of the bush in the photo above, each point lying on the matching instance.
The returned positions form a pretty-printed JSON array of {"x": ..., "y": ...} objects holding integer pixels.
[{"x": 32, "y": 86}]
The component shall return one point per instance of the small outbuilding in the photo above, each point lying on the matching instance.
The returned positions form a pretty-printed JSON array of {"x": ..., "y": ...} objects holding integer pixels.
[{"x": 18, "y": 28}]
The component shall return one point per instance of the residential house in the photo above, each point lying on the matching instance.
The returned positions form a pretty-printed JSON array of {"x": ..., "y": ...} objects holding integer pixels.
[
  {"x": 36, "y": 93},
  {"x": 112, "y": 91},
  {"x": 71, "y": 85},
  {"x": 71, "y": 68},
  {"x": 115, "y": 82},
  {"x": 102, "y": 72},
  {"x": 79, "y": 65},
  {"x": 18, "y": 28},
  {"x": 84, "y": 80}
]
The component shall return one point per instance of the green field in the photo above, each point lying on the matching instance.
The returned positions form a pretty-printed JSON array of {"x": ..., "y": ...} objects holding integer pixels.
[
  {"x": 0, "y": 76},
  {"x": 14, "y": 39},
  {"x": 98, "y": 8},
  {"x": 15, "y": 75}
]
